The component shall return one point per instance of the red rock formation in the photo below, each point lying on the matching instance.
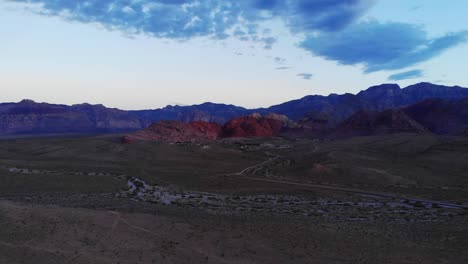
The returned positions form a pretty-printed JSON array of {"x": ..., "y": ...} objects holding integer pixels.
[
  {"x": 176, "y": 131},
  {"x": 254, "y": 126},
  {"x": 248, "y": 126}
]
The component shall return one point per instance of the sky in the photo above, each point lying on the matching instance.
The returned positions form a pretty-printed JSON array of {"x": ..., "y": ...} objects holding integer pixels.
[{"x": 146, "y": 54}]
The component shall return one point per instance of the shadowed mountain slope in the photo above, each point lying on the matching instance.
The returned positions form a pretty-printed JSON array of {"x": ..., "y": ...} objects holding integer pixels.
[
  {"x": 365, "y": 123},
  {"x": 441, "y": 116}
]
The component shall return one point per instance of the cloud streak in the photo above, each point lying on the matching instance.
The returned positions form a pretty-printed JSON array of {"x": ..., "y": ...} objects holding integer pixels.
[
  {"x": 406, "y": 75},
  {"x": 280, "y": 60},
  {"x": 306, "y": 76}
]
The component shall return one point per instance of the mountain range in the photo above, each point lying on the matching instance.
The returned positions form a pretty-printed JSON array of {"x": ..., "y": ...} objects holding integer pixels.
[{"x": 440, "y": 109}]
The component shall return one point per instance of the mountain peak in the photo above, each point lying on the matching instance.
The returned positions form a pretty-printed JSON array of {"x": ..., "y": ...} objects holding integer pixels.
[
  {"x": 27, "y": 101},
  {"x": 90, "y": 105},
  {"x": 385, "y": 88}
]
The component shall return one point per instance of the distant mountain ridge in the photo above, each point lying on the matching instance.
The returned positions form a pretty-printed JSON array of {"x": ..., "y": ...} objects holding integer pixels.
[
  {"x": 375, "y": 98},
  {"x": 207, "y": 112},
  {"x": 29, "y": 117}
]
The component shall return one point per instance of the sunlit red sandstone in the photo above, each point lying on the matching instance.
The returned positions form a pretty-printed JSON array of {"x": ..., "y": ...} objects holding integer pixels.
[{"x": 253, "y": 125}]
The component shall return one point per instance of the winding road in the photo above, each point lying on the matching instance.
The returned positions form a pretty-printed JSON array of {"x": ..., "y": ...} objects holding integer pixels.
[{"x": 336, "y": 188}]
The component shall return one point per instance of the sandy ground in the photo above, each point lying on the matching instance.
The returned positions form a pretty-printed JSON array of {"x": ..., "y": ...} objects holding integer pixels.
[
  {"x": 52, "y": 234},
  {"x": 396, "y": 199}
]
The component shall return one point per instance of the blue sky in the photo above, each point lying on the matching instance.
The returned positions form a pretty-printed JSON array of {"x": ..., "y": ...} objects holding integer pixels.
[{"x": 136, "y": 54}]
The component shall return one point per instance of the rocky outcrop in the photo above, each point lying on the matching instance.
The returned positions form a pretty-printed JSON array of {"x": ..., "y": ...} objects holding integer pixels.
[
  {"x": 255, "y": 126},
  {"x": 176, "y": 131}
]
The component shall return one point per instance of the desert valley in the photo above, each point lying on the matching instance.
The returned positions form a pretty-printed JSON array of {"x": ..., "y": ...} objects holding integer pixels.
[{"x": 220, "y": 184}]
